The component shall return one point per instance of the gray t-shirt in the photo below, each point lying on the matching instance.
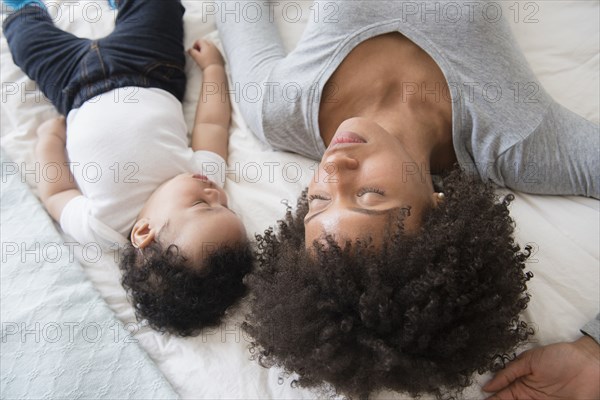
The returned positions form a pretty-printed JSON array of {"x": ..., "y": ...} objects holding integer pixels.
[
  {"x": 506, "y": 128},
  {"x": 592, "y": 329}
]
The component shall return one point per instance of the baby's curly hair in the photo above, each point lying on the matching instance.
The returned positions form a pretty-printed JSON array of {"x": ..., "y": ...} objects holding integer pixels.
[
  {"x": 419, "y": 315},
  {"x": 182, "y": 299}
]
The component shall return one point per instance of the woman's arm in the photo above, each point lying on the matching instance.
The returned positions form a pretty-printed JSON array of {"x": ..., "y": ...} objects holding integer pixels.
[
  {"x": 560, "y": 157},
  {"x": 50, "y": 152},
  {"x": 213, "y": 114},
  {"x": 253, "y": 47}
]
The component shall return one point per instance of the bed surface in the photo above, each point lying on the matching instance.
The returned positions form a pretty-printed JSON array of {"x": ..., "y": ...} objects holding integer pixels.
[
  {"x": 59, "y": 337},
  {"x": 563, "y": 49}
]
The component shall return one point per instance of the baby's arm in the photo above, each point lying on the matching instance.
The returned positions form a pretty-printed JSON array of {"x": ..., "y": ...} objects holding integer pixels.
[
  {"x": 50, "y": 150},
  {"x": 213, "y": 115}
]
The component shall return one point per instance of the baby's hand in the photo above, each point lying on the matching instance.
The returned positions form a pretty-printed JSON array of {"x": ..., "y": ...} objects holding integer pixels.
[
  {"x": 206, "y": 53},
  {"x": 53, "y": 127}
]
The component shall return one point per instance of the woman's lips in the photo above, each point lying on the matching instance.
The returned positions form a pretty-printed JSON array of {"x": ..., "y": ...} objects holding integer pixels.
[{"x": 347, "y": 137}]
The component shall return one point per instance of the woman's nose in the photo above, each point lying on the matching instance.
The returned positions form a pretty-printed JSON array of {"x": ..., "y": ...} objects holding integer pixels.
[{"x": 341, "y": 161}]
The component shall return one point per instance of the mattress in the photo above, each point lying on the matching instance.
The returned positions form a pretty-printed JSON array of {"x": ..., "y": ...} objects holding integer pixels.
[{"x": 560, "y": 40}]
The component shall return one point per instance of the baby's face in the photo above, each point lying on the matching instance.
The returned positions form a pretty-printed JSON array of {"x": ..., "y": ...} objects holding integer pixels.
[{"x": 194, "y": 211}]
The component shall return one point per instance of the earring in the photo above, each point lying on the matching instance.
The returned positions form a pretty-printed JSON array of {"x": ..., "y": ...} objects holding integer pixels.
[{"x": 441, "y": 196}]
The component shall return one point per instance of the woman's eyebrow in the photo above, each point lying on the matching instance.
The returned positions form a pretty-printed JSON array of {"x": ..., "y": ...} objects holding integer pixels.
[{"x": 360, "y": 210}]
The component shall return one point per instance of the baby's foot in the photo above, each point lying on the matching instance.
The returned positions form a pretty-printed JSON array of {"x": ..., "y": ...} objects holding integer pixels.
[{"x": 18, "y": 4}]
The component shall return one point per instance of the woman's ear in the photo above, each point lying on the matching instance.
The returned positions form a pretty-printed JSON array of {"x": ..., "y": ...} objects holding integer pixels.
[
  {"x": 142, "y": 234},
  {"x": 438, "y": 198}
]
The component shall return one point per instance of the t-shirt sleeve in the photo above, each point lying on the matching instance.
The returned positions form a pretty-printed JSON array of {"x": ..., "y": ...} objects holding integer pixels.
[
  {"x": 253, "y": 48},
  {"x": 212, "y": 165},
  {"x": 592, "y": 329},
  {"x": 75, "y": 219},
  {"x": 560, "y": 157}
]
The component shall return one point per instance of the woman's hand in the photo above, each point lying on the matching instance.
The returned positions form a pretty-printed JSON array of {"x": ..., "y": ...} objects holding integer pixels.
[
  {"x": 206, "y": 54},
  {"x": 557, "y": 371}
]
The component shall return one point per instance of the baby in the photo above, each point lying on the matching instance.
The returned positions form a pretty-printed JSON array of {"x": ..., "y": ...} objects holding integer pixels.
[{"x": 126, "y": 172}]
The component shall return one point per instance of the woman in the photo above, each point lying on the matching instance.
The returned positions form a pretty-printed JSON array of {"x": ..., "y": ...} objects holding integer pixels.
[{"x": 386, "y": 277}]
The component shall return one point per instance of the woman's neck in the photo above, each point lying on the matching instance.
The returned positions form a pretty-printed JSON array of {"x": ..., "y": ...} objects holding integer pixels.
[
  {"x": 410, "y": 99},
  {"x": 425, "y": 131}
]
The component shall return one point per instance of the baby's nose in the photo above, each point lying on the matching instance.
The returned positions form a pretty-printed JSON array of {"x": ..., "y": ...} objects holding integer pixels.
[{"x": 214, "y": 195}]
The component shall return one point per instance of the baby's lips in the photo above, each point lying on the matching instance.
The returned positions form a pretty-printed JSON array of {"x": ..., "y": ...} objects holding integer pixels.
[{"x": 201, "y": 177}]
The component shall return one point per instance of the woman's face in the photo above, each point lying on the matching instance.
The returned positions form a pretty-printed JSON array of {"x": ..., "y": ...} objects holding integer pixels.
[{"x": 365, "y": 177}]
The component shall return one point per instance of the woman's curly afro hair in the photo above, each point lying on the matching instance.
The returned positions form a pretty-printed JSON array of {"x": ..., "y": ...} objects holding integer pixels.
[
  {"x": 182, "y": 299},
  {"x": 419, "y": 315}
]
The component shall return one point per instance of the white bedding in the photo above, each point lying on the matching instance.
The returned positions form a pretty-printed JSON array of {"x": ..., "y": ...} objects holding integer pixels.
[
  {"x": 563, "y": 49},
  {"x": 59, "y": 337}
]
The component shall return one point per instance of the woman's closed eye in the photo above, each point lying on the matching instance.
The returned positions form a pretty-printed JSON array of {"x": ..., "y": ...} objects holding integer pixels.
[
  {"x": 312, "y": 197},
  {"x": 362, "y": 192},
  {"x": 370, "y": 197},
  {"x": 367, "y": 190}
]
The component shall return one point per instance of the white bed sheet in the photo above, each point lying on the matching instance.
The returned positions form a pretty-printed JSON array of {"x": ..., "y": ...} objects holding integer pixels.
[
  {"x": 563, "y": 49},
  {"x": 59, "y": 337}
]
